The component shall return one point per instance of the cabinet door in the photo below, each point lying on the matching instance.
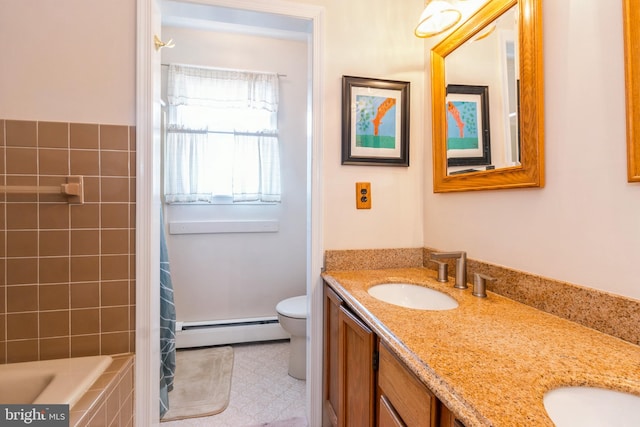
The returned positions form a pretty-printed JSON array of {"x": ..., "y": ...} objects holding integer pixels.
[
  {"x": 356, "y": 375},
  {"x": 332, "y": 303}
]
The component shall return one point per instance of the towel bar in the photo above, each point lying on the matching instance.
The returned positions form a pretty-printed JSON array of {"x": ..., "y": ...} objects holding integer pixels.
[{"x": 73, "y": 189}]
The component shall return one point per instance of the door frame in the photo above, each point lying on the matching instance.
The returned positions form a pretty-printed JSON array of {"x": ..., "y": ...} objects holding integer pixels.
[{"x": 148, "y": 203}]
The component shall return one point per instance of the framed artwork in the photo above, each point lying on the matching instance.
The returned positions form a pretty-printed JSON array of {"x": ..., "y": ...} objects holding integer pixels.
[
  {"x": 375, "y": 122},
  {"x": 468, "y": 138}
]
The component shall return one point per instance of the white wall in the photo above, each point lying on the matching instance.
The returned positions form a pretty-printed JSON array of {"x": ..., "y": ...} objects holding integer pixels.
[
  {"x": 584, "y": 226},
  {"x": 69, "y": 61},
  {"x": 372, "y": 38},
  {"x": 238, "y": 275}
]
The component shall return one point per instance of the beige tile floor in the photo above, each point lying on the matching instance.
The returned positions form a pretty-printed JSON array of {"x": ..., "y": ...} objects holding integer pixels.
[{"x": 261, "y": 389}]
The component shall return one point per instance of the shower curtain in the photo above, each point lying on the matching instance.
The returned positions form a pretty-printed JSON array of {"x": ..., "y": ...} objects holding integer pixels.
[{"x": 167, "y": 325}]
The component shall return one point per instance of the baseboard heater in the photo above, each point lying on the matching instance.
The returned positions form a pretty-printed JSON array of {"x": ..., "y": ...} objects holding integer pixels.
[{"x": 220, "y": 332}]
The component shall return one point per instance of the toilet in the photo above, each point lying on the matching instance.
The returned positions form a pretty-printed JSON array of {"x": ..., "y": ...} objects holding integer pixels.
[{"x": 292, "y": 315}]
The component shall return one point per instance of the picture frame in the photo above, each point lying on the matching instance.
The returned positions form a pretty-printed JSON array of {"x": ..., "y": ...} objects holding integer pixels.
[
  {"x": 375, "y": 122},
  {"x": 467, "y": 119}
]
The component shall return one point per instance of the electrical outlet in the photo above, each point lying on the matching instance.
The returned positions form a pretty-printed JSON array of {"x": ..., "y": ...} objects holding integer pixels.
[{"x": 363, "y": 195}]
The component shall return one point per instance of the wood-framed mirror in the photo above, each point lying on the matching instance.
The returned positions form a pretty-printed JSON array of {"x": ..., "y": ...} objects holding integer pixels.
[
  {"x": 517, "y": 149},
  {"x": 631, "y": 10}
]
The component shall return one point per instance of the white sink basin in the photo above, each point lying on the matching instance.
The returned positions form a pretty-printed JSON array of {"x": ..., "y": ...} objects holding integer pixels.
[
  {"x": 592, "y": 407},
  {"x": 412, "y": 296}
]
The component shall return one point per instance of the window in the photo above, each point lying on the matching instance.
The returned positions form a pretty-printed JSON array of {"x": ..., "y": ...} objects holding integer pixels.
[{"x": 221, "y": 136}]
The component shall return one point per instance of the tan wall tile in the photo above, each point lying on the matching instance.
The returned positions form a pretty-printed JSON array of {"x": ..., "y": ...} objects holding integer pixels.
[
  {"x": 22, "y": 161},
  {"x": 115, "y": 267},
  {"x": 132, "y": 190},
  {"x": 54, "y": 348},
  {"x": 22, "y": 351},
  {"x": 85, "y": 294},
  {"x": 22, "y": 326},
  {"x": 85, "y": 345},
  {"x": 85, "y": 268},
  {"x": 115, "y": 342},
  {"x": 114, "y": 163},
  {"x": 114, "y": 242},
  {"x": 113, "y": 137},
  {"x": 114, "y": 293},
  {"x": 85, "y": 321},
  {"x": 53, "y": 242},
  {"x": 52, "y": 161},
  {"x": 53, "y": 270},
  {"x": 114, "y": 319},
  {"x": 54, "y": 323},
  {"x": 115, "y": 215},
  {"x": 54, "y": 215},
  {"x": 22, "y": 243},
  {"x": 83, "y": 135},
  {"x": 54, "y": 297},
  {"x": 22, "y": 216},
  {"x": 22, "y": 298},
  {"x": 85, "y": 216},
  {"x": 22, "y": 271},
  {"x": 91, "y": 189},
  {"x": 53, "y": 134},
  {"x": 114, "y": 190},
  {"x": 85, "y": 162},
  {"x": 21, "y": 133},
  {"x": 57, "y": 252},
  {"x": 85, "y": 242}
]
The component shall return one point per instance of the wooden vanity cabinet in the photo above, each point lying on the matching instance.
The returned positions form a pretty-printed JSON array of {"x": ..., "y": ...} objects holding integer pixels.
[
  {"x": 349, "y": 381},
  {"x": 365, "y": 384}
]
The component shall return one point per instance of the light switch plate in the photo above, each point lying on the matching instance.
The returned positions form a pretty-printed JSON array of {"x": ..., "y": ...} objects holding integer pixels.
[{"x": 363, "y": 195}]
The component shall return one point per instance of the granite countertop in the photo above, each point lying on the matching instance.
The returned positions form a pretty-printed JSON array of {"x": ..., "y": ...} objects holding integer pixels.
[{"x": 491, "y": 359}]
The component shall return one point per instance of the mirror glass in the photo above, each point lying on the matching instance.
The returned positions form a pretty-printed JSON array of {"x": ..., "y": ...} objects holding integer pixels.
[
  {"x": 488, "y": 100},
  {"x": 481, "y": 78}
]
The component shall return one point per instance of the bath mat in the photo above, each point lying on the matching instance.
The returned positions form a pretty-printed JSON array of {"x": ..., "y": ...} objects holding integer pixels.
[
  {"x": 292, "y": 422},
  {"x": 202, "y": 383}
]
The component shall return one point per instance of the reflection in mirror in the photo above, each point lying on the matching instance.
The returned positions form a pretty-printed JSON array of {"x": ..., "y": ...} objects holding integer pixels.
[
  {"x": 487, "y": 76},
  {"x": 479, "y": 138}
]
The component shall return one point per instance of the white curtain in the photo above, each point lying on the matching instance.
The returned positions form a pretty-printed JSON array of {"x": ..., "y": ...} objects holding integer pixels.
[{"x": 222, "y": 136}]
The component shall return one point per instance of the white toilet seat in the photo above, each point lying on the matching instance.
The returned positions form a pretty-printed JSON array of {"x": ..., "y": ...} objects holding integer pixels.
[{"x": 295, "y": 307}]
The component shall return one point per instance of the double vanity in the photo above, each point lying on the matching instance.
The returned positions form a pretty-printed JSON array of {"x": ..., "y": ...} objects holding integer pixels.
[{"x": 397, "y": 356}]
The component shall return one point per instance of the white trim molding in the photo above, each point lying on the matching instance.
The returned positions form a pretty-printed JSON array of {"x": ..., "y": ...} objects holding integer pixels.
[{"x": 148, "y": 203}]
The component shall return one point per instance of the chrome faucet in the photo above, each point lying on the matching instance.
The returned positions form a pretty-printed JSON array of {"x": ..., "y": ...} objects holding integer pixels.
[{"x": 461, "y": 266}]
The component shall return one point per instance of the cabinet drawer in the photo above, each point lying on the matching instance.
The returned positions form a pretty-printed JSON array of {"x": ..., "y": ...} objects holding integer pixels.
[
  {"x": 387, "y": 417},
  {"x": 411, "y": 399}
]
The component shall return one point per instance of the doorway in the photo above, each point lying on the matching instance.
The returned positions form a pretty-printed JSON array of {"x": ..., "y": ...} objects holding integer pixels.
[{"x": 148, "y": 81}]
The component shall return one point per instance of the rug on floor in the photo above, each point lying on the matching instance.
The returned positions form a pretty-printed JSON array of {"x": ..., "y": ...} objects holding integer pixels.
[
  {"x": 202, "y": 383},
  {"x": 292, "y": 422}
]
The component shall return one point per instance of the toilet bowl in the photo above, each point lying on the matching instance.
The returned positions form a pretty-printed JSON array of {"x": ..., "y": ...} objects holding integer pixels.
[{"x": 292, "y": 315}]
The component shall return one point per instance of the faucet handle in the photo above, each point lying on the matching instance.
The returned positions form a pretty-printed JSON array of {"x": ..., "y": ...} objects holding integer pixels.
[
  {"x": 480, "y": 284},
  {"x": 452, "y": 255},
  {"x": 443, "y": 271}
]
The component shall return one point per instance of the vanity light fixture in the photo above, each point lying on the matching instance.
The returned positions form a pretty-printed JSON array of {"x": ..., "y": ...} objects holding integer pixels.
[{"x": 437, "y": 17}]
